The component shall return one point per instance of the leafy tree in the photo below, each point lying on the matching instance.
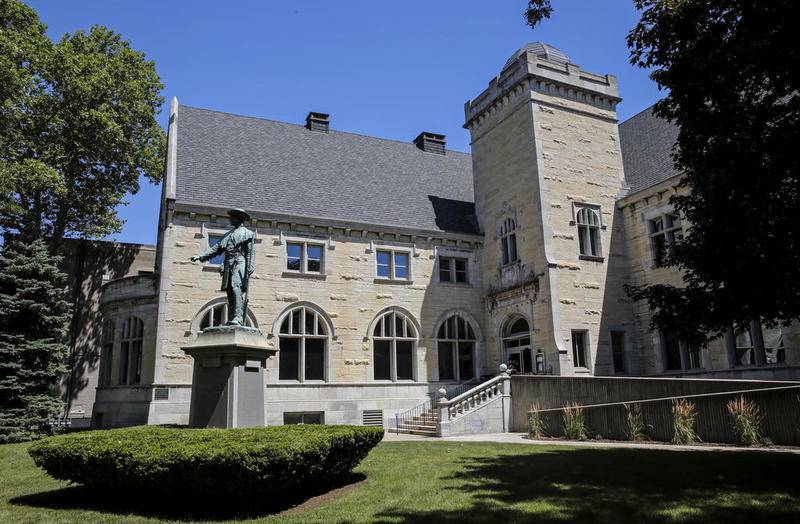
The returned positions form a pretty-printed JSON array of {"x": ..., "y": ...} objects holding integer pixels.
[
  {"x": 33, "y": 313},
  {"x": 77, "y": 127},
  {"x": 730, "y": 69}
]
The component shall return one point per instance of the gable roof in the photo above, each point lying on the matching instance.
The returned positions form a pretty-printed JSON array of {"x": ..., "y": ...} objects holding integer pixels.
[
  {"x": 646, "y": 142},
  {"x": 263, "y": 165}
]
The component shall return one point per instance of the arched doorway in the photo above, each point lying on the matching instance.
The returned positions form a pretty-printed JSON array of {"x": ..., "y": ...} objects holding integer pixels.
[{"x": 517, "y": 345}]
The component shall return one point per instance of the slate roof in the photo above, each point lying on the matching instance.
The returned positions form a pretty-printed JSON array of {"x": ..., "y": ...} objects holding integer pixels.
[
  {"x": 263, "y": 165},
  {"x": 646, "y": 142}
]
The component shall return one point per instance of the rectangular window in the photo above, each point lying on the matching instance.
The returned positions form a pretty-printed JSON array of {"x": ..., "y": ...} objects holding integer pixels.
[
  {"x": 315, "y": 417},
  {"x": 695, "y": 358},
  {"x": 453, "y": 270},
  {"x": 304, "y": 257},
  {"x": 213, "y": 240},
  {"x": 672, "y": 351},
  {"x": 289, "y": 358},
  {"x": 393, "y": 265},
  {"x": 315, "y": 359},
  {"x": 446, "y": 365},
  {"x": 579, "y": 348},
  {"x": 382, "y": 360},
  {"x": 618, "y": 350},
  {"x": 405, "y": 356},
  {"x": 665, "y": 230}
]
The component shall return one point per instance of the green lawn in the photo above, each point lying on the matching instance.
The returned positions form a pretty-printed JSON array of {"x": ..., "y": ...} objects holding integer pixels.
[{"x": 451, "y": 482}]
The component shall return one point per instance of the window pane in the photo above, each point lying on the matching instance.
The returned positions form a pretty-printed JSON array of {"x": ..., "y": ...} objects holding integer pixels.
[
  {"x": 470, "y": 333},
  {"x": 294, "y": 255},
  {"x": 527, "y": 363},
  {"x": 289, "y": 358},
  {"x": 213, "y": 240},
  {"x": 388, "y": 325},
  {"x": 442, "y": 331},
  {"x": 444, "y": 270},
  {"x": 504, "y": 248},
  {"x": 519, "y": 326},
  {"x": 297, "y": 324},
  {"x": 400, "y": 265},
  {"x": 320, "y": 327},
  {"x": 465, "y": 371},
  {"x": 773, "y": 345},
  {"x": 310, "y": 317},
  {"x": 312, "y": 418},
  {"x": 461, "y": 270},
  {"x": 378, "y": 331},
  {"x": 292, "y": 418},
  {"x": 381, "y": 366},
  {"x": 218, "y": 320},
  {"x": 451, "y": 327},
  {"x": 659, "y": 249},
  {"x": 461, "y": 333},
  {"x": 137, "y": 348},
  {"x": 656, "y": 225},
  {"x": 594, "y": 239},
  {"x": 512, "y": 248},
  {"x": 285, "y": 325},
  {"x": 383, "y": 258},
  {"x": 123, "y": 362},
  {"x": 404, "y": 360},
  {"x": 314, "y": 257},
  {"x": 579, "y": 349},
  {"x": 399, "y": 324},
  {"x": 582, "y": 240},
  {"x": 446, "y": 361},
  {"x": 315, "y": 359},
  {"x": 206, "y": 322}
]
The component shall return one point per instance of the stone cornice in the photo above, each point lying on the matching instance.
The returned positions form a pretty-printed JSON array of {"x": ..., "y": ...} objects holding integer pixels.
[
  {"x": 271, "y": 220},
  {"x": 531, "y": 73},
  {"x": 669, "y": 185}
]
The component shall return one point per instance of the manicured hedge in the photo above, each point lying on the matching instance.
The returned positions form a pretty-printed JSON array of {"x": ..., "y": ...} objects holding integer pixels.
[{"x": 221, "y": 462}]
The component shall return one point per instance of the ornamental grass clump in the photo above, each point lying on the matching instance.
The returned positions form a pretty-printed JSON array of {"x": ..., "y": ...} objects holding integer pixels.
[
  {"x": 574, "y": 422},
  {"x": 746, "y": 421},
  {"x": 205, "y": 464},
  {"x": 635, "y": 427},
  {"x": 684, "y": 414},
  {"x": 537, "y": 424}
]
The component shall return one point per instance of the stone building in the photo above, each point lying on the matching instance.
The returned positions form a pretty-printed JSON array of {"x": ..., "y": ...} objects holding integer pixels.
[{"x": 386, "y": 270}]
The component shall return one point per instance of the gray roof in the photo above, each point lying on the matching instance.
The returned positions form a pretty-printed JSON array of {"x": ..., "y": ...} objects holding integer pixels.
[
  {"x": 646, "y": 142},
  {"x": 541, "y": 50},
  {"x": 264, "y": 165}
]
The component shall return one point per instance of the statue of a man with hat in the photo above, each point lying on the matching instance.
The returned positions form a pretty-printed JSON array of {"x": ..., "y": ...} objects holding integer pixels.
[{"x": 237, "y": 246}]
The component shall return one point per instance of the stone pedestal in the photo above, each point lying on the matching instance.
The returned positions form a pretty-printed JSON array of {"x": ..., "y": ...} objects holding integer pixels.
[{"x": 228, "y": 384}]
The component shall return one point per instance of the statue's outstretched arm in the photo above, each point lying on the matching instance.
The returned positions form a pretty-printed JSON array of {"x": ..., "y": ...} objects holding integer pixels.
[{"x": 209, "y": 253}]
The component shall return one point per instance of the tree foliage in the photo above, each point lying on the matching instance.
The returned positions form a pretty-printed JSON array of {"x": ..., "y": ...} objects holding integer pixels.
[
  {"x": 77, "y": 127},
  {"x": 733, "y": 81},
  {"x": 33, "y": 313},
  {"x": 537, "y": 11}
]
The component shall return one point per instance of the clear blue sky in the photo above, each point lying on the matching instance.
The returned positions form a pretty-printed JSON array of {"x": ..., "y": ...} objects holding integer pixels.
[{"x": 387, "y": 69}]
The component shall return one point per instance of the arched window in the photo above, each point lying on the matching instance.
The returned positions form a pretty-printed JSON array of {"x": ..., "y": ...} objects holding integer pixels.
[
  {"x": 517, "y": 345},
  {"x": 508, "y": 241},
  {"x": 303, "y": 340},
  {"x": 455, "y": 341},
  {"x": 106, "y": 352},
  {"x": 588, "y": 221},
  {"x": 131, "y": 340},
  {"x": 394, "y": 341},
  {"x": 217, "y": 315}
]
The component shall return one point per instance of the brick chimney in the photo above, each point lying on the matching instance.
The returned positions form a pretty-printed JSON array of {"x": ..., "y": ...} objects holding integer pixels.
[
  {"x": 318, "y": 122},
  {"x": 430, "y": 142}
]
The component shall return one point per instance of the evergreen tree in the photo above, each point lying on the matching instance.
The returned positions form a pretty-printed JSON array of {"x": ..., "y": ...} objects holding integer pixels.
[{"x": 33, "y": 313}]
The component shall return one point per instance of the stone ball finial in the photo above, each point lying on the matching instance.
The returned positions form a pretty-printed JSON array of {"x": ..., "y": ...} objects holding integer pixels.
[
  {"x": 503, "y": 368},
  {"x": 442, "y": 392}
]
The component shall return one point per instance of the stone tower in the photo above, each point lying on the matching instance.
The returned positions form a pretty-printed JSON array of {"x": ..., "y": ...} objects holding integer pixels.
[{"x": 547, "y": 172}]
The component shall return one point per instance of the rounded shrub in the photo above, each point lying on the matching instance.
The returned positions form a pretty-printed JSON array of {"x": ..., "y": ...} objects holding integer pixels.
[{"x": 233, "y": 463}]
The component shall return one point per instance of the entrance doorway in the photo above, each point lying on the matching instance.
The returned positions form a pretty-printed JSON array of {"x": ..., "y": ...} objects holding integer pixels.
[{"x": 517, "y": 344}]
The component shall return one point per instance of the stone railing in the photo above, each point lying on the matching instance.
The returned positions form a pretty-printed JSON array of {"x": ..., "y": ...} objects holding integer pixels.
[{"x": 465, "y": 413}]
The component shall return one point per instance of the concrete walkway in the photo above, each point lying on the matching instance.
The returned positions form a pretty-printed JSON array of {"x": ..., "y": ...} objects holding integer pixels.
[{"x": 521, "y": 438}]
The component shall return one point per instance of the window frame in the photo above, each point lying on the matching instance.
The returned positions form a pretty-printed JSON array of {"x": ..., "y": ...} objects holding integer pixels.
[
  {"x": 452, "y": 272},
  {"x": 302, "y": 336},
  {"x": 508, "y": 241},
  {"x": 670, "y": 235},
  {"x": 588, "y": 220},
  {"x": 302, "y": 415},
  {"x": 586, "y": 356},
  {"x": 131, "y": 344},
  {"x": 209, "y": 308},
  {"x": 518, "y": 342},
  {"x": 304, "y": 258},
  {"x": 393, "y": 339},
  {"x": 445, "y": 327},
  {"x": 392, "y": 265}
]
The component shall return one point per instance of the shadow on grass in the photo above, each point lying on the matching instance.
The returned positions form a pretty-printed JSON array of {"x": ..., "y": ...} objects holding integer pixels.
[
  {"x": 618, "y": 485},
  {"x": 154, "y": 505}
]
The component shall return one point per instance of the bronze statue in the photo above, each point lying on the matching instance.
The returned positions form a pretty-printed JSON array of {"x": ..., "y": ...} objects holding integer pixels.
[{"x": 237, "y": 245}]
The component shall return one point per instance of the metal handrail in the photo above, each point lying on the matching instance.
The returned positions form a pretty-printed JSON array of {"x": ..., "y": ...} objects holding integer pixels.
[
  {"x": 466, "y": 386},
  {"x": 429, "y": 405}
]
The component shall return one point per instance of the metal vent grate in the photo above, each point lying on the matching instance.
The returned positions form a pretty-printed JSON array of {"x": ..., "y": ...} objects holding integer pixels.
[
  {"x": 372, "y": 417},
  {"x": 161, "y": 394}
]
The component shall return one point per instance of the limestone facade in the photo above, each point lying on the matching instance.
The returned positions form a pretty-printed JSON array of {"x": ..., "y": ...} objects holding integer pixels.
[{"x": 558, "y": 236}]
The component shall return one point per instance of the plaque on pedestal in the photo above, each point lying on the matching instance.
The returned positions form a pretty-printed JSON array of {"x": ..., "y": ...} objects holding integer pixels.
[{"x": 228, "y": 384}]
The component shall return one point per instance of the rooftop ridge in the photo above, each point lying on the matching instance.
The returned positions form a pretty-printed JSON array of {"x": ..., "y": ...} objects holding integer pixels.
[{"x": 332, "y": 131}]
